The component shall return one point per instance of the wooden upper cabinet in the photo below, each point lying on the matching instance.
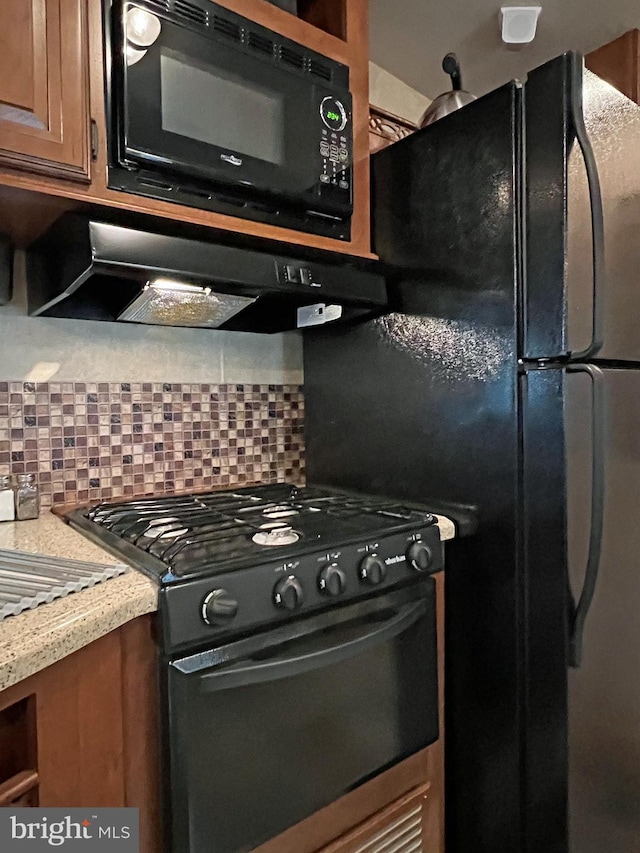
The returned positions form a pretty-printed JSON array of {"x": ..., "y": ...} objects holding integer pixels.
[
  {"x": 44, "y": 120},
  {"x": 619, "y": 64}
]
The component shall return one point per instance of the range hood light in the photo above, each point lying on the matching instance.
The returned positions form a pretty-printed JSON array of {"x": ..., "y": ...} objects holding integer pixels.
[
  {"x": 167, "y": 302},
  {"x": 173, "y": 285}
]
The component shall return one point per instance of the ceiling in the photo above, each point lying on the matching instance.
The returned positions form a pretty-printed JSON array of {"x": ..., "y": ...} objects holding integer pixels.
[{"x": 409, "y": 38}]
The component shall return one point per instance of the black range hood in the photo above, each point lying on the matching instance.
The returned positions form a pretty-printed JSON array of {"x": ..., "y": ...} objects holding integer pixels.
[{"x": 86, "y": 269}]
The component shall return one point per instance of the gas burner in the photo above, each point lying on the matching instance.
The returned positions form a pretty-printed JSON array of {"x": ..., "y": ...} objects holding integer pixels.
[
  {"x": 280, "y": 511},
  {"x": 275, "y": 535}
]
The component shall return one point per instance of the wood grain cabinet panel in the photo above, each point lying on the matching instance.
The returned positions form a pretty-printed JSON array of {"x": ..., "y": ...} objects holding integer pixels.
[
  {"x": 619, "y": 64},
  {"x": 44, "y": 121},
  {"x": 83, "y": 731}
]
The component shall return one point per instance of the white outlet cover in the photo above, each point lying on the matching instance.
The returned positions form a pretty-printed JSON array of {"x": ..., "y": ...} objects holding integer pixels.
[{"x": 519, "y": 23}]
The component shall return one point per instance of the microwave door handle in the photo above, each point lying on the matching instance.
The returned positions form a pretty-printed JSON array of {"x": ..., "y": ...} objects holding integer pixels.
[
  {"x": 265, "y": 671},
  {"x": 597, "y": 215},
  {"x": 578, "y": 611}
]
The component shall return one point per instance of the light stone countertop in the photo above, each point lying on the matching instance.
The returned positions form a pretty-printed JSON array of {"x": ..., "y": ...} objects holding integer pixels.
[
  {"x": 447, "y": 528},
  {"x": 37, "y": 638}
]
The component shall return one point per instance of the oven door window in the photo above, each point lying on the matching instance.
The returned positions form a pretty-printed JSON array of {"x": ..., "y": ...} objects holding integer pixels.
[
  {"x": 199, "y": 107},
  {"x": 261, "y": 742}
]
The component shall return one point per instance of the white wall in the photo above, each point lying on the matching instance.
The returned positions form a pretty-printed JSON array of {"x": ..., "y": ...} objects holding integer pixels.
[
  {"x": 391, "y": 94},
  {"x": 42, "y": 349},
  {"x": 410, "y": 37}
]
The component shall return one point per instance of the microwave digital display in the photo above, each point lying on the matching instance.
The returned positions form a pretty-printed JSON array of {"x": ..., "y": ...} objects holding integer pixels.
[{"x": 210, "y": 110}]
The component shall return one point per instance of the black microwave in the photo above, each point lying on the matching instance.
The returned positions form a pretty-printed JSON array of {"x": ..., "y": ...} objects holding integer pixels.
[{"x": 208, "y": 109}]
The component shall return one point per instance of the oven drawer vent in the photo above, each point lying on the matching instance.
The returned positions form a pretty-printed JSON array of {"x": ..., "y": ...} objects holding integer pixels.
[
  {"x": 403, "y": 835},
  {"x": 410, "y": 825},
  {"x": 190, "y": 12}
]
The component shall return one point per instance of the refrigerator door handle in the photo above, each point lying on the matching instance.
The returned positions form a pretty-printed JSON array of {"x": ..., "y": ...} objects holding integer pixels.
[
  {"x": 578, "y": 611},
  {"x": 597, "y": 216}
]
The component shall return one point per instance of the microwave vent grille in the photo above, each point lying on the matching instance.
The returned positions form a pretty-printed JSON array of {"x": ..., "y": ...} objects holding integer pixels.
[
  {"x": 291, "y": 57},
  {"x": 198, "y": 17},
  {"x": 319, "y": 69},
  {"x": 260, "y": 43},
  {"x": 227, "y": 28},
  {"x": 190, "y": 12},
  {"x": 158, "y": 5}
]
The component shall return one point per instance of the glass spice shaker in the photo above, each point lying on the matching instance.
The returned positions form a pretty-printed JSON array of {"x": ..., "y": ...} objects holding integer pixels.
[
  {"x": 7, "y": 500},
  {"x": 27, "y": 498}
]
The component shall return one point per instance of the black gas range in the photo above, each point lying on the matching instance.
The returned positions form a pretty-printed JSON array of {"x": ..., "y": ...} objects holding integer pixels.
[
  {"x": 233, "y": 561},
  {"x": 299, "y": 648}
]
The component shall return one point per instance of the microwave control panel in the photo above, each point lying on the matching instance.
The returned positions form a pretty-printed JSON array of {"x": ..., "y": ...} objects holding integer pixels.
[{"x": 335, "y": 143}]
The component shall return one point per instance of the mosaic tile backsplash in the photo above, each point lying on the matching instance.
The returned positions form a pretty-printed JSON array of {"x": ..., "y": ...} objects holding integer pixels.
[{"x": 95, "y": 441}]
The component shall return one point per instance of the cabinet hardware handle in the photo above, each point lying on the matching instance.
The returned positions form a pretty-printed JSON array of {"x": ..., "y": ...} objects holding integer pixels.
[{"x": 94, "y": 140}]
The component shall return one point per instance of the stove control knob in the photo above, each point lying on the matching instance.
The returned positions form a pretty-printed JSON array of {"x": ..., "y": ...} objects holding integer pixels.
[
  {"x": 419, "y": 556},
  {"x": 372, "y": 570},
  {"x": 218, "y": 607},
  {"x": 332, "y": 580},
  {"x": 288, "y": 593}
]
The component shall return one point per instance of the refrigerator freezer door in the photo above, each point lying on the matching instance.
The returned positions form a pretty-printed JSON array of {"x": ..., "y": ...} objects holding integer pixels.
[
  {"x": 445, "y": 199},
  {"x": 558, "y": 305},
  {"x": 604, "y": 692},
  {"x": 544, "y": 180}
]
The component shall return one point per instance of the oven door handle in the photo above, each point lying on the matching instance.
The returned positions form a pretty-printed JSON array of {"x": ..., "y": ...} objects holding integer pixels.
[{"x": 243, "y": 674}]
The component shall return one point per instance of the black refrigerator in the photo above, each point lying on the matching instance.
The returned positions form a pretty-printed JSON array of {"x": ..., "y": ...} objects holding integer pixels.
[{"x": 506, "y": 377}]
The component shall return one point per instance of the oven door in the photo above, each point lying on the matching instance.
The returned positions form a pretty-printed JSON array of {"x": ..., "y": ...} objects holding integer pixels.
[
  {"x": 206, "y": 107},
  {"x": 267, "y": 730}
]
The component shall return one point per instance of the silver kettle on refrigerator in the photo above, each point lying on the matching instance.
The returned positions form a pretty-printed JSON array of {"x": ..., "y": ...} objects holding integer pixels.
[{"x": 448, "y": 102}]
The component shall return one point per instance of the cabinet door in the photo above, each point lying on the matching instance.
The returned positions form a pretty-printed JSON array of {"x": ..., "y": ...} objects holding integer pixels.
[
  {"x": 410, "y": 825},
  {"x": 44, "y": 123}
]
